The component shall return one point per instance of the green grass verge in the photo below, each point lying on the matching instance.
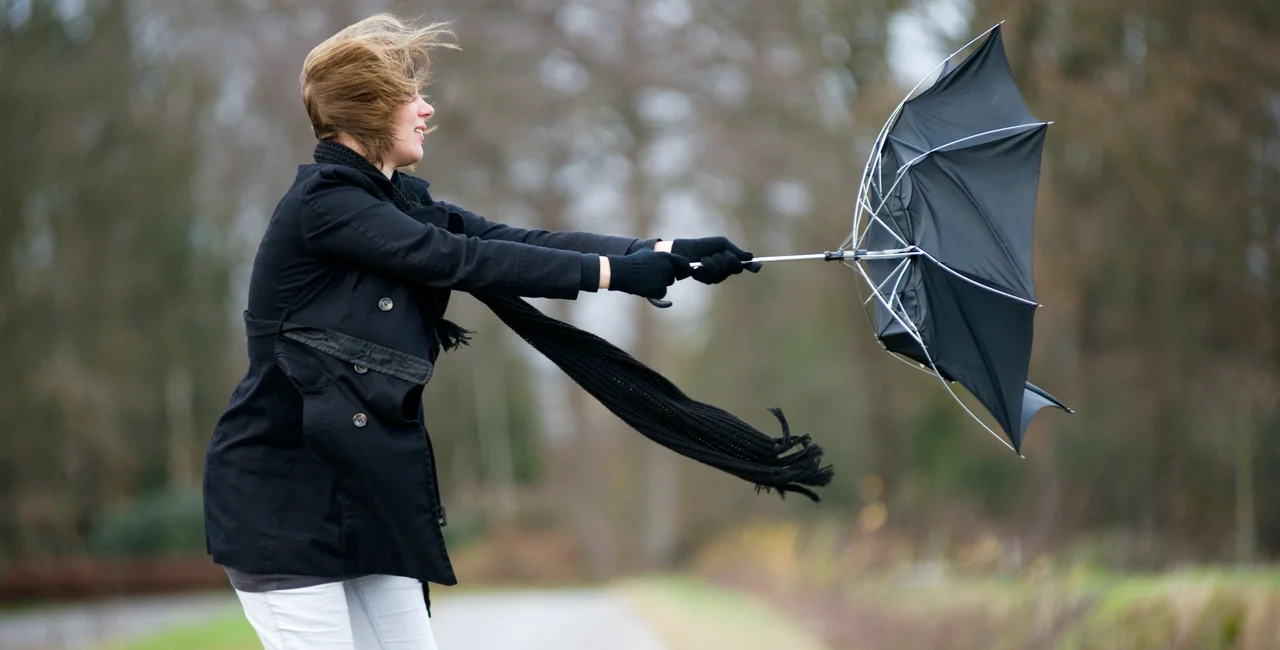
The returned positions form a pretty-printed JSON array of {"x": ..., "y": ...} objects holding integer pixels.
[
  {"x": 1205, "y": 608},
  {"x": 230, "y": 631},
  {"x": 694, "y": 615}
]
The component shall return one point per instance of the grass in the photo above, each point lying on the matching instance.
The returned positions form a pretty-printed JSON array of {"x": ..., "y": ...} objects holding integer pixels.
[
  {"x": 1193, "y": 607},
  {"x": 1202, "y": 608},
  {"x": 694, "y": 615},
  {"x": 229, "y": 631}
]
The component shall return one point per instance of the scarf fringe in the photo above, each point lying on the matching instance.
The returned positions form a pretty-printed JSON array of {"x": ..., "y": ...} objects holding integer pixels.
[{"x": 451, "y": 335}]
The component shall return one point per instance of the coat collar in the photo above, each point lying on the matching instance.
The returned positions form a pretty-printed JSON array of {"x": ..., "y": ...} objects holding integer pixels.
[{"x": 401, "y": 188}]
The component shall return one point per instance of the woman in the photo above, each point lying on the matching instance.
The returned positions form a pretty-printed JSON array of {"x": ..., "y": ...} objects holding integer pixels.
[{"x": 320, "y": 487}]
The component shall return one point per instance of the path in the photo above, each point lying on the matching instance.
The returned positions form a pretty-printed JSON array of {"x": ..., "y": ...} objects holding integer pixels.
[
  {"x": 584, "y": 619},
  {"x": 82, "y": 626}
]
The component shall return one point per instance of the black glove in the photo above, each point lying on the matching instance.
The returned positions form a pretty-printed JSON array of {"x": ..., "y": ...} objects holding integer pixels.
[
  {"x": 719, "y": 258},
  {"x": 646, "y": 273}
]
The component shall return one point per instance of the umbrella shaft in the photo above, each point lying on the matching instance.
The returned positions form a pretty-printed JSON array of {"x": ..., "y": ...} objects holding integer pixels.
[{"x": 832, "y": 256}]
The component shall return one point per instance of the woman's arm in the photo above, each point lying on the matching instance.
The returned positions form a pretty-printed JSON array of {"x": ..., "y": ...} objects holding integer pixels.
[
  {"x": 343, "y": 220},
  {"x": 719, "y": 258},
  {"x": 475, "y": 225}
]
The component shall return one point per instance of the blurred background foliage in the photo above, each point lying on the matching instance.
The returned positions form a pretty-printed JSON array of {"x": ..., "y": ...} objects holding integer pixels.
[{"x": 146, "y": 142}]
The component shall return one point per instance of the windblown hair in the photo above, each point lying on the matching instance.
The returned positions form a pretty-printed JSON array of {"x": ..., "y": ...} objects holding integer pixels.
[{"x": 356, "y": 80}]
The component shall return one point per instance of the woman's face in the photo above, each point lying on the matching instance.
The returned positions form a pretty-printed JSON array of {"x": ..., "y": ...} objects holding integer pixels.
[{"x": 410, "y": 131}]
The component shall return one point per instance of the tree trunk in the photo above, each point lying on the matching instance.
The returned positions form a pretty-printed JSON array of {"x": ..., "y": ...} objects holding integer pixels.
[
  {"x": 495, "y": 437},
  {"x": 1246, "y": 510},
  {"x": 182, "y": 435}
]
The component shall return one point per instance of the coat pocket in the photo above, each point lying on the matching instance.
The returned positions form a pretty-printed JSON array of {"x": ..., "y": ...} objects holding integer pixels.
[
  {"x": 354, "y": 416},
  {"x": 364, "y": 424}
]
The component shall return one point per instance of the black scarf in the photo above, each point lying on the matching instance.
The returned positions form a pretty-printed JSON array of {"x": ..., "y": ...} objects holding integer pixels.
[{"x": 642, "y": 398}]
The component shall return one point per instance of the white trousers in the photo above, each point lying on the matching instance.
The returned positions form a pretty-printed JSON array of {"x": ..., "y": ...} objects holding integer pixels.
[{"x": 369, "y": 613}]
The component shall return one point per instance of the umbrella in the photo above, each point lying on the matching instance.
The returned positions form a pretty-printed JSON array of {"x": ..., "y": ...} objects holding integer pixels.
[{"x": 942, "y": 234}]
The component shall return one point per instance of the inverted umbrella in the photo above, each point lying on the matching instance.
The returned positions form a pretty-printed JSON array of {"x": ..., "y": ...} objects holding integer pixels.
[{"x": 942, "y": 234}]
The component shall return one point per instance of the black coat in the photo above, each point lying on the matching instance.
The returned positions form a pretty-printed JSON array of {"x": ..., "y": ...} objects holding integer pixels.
[{"x": 321, "y": 464}]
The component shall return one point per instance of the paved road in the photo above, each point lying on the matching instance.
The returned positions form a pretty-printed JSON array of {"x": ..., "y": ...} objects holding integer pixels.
[
  {"x": 564, "y": 620},
  {"x": 508, "y": 620},
  {"x": 84, "y": 626}
]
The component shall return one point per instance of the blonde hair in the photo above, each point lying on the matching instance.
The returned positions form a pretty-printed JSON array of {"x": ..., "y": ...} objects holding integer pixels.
[{"x": 356, "y": 81}]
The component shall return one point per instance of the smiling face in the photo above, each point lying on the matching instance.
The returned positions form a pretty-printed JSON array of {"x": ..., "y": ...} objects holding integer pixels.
[{"x": 410, "y": 132}]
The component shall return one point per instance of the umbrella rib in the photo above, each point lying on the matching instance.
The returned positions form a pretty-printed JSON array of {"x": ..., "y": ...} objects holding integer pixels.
[
  {"x": 875, "y": 214},
  {"x": 878, "y": 170},
  {"x": 911, "y": 329},
  {"x": 975, "y": 283},
  {"x": 854, "y": 265},
  {"x": 876, "y": 218},
  {"x": 971, "y": 413},
  {"x": 911, "y": 363},
  {"x": 897, "y": 284},
  {"x": 897, "y": 271},
  {"x": 969, "y": 137}
]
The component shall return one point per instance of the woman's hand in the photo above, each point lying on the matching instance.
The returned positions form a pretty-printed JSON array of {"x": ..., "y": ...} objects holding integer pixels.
[
  {"x": 718, "y": 257},
  {"x": 645, "y": 273}
]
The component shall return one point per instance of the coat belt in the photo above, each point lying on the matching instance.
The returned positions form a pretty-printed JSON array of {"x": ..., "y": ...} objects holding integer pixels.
[{"x": 346, "y": 347}]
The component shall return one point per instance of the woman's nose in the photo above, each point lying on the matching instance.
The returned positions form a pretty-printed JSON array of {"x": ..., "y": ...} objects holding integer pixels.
[{"x": 427, "y": 110}]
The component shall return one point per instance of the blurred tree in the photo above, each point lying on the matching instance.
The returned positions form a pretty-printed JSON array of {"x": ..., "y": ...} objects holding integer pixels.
[
  {"x": 146, "y": 142},
  {"x": 1164, "y": 216},
  {"x": 116, "y": 286},
  {"x": 792, "y": 96}
]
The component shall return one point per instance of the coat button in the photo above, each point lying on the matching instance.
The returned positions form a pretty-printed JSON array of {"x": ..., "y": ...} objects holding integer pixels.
[
  {"x": 361, "y": 369},
  {"x": 360, "y": 420},
  {"x": 385, "y": 304}
]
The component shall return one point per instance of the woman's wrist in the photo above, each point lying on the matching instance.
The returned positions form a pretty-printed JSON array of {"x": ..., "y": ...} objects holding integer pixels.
[
  {"x": 591, "y": 267},
  {"x": 604, "y": 272},
  {"x": 662, "y": 246}
]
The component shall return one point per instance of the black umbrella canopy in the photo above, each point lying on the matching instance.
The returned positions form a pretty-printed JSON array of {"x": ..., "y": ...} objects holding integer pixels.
[{"x": 954, "y": 184}]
